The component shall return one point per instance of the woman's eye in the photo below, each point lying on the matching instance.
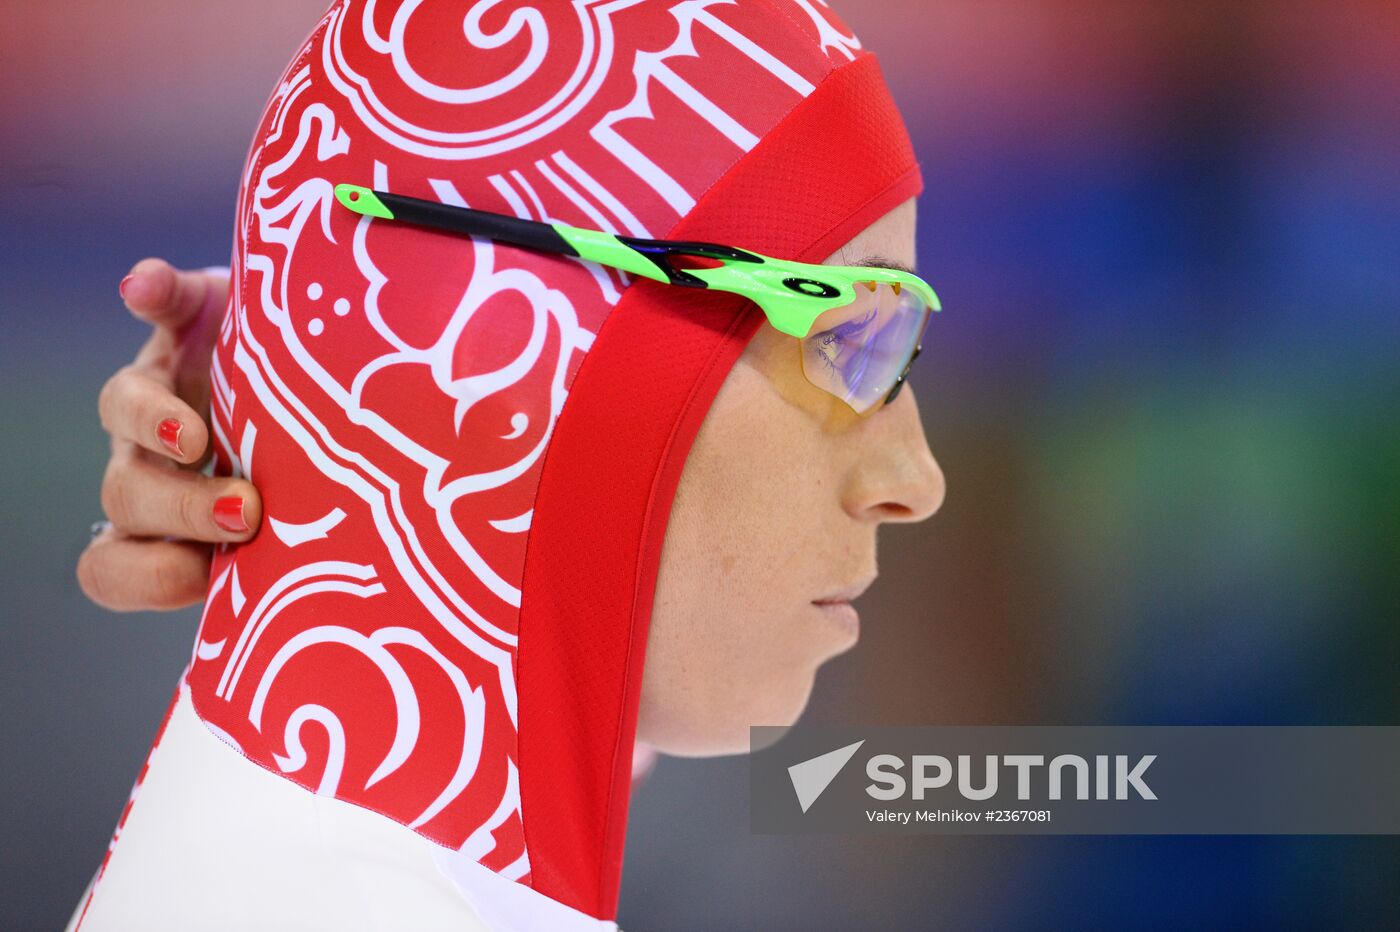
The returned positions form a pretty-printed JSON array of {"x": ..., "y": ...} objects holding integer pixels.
[
  {"x": 833, "y": 344},
  {"x": 829, "y": 348}
]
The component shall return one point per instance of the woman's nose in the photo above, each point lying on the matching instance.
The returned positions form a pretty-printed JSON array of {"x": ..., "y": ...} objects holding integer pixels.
[{"x": 895, "y": 477}]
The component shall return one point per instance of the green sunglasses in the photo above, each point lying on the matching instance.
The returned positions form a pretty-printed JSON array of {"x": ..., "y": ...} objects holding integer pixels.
[{"x": 860, "y": 326}]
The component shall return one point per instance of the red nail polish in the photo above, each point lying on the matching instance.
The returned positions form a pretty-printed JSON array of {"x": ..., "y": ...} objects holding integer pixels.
[
  {"x": 168, "y": 433},
  {"x": 228, "y": 514},
  {"x": 121, "y": 289}
]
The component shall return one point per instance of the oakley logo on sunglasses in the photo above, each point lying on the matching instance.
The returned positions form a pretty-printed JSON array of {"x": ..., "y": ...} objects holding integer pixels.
[{"x": 809, "y": 286}]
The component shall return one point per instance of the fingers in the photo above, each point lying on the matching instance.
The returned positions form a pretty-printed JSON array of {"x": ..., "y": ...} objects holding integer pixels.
[
  {"x": 124, "y": 574},
  {"x": 136, "y": 407},
  {"x": 144, "y": 498},
  {"x": 151, "y": 410},
  {"x": 186, "y": 308},
  {"x": 165, "y": 296}
]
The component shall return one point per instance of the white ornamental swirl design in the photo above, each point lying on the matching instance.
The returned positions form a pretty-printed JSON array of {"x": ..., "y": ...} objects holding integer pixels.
[{"x": 595, "y": 56}]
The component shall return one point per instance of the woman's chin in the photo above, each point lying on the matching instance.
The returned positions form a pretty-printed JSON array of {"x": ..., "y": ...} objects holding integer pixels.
[{"x": 707, "y": 734}]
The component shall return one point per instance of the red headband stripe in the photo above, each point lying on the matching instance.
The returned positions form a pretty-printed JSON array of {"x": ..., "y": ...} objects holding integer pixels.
[{"x": 839, "y": 161}]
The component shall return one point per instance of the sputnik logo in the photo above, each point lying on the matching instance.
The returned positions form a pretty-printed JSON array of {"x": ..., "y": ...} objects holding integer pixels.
[{"x": 811, "y": 777}]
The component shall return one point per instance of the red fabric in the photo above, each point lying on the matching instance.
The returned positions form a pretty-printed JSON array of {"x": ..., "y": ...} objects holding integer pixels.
[
  {"x": 606, "y": 491},
  {"x": 467, "y": 451}
]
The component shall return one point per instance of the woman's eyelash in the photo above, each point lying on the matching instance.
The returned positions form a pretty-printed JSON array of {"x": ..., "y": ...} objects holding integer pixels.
[{"x": 854, "y": 326}]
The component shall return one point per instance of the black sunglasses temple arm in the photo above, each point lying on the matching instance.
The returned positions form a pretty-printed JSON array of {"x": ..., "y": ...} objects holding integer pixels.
[
  {"x": 505, "y": 229},
  {"x": 648, "y": 257}
]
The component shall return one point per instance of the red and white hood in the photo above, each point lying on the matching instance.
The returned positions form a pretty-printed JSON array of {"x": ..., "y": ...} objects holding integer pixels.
[{"x": 467, "y": 452}]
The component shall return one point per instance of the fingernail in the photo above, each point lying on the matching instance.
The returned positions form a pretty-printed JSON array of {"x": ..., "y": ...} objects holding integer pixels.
[
  {"x": 228, "y": 514},
  {"x": 168, "y": 433},
  {"x": 121, "y": 289}
]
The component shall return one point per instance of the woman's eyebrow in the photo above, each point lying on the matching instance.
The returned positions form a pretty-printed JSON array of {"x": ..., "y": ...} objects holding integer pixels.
[{"x": 880, "y": 262}]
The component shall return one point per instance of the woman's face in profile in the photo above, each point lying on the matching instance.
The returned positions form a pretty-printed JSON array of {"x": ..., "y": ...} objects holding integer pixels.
[{"x": 777, "y": 509}]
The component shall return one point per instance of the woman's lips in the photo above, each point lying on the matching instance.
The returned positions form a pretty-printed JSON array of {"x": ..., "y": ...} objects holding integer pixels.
[
  {"x": 837, "y": 606},
  {"x": 843, "y": 613},
  {"x": 848, "y": 594}
]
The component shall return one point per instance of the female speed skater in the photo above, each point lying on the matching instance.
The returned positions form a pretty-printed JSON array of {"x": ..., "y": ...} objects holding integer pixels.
[{"x": 551, "y": 402}]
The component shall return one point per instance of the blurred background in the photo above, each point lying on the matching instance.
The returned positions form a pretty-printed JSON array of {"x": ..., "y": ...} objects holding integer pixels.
[{"x": 1164, "y": 391}]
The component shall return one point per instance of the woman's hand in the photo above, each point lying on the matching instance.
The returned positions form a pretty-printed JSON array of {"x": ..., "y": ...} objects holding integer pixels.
[{"x": 164, "y": 513}]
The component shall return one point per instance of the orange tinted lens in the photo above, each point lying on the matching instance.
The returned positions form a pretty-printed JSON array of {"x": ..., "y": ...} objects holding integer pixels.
[{"x": 858, "y": 351}]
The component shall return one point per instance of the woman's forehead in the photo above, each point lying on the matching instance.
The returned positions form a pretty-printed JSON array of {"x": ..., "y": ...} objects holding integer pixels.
[{"x": 887, "y": 243}]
